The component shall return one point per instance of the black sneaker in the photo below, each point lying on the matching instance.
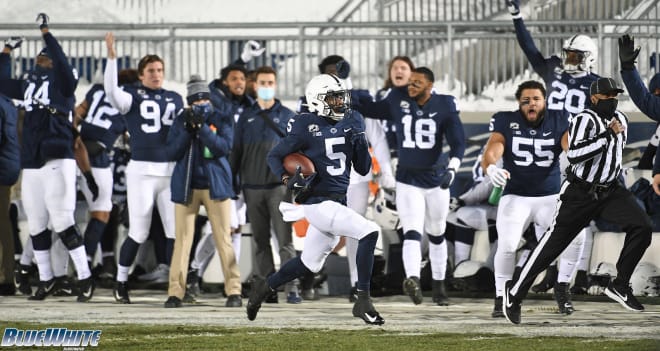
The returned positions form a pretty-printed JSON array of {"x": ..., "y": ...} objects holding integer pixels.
[
  {"x": 45, "y": 288},
  {"x": 624, "y": 296},
  {"x": 121, "y": 292},
  {"x": 234, "y": 301},
  {"x": 188, "y": 298},
  {"x": 272, "y": 297},
  {"x": 309, "y": 294},
  {"x": 173, "y": 302},
  {"x": 413, "y": 288},
  {"x": 363, "y": 308},
  {"x": 563, "y": 298},
  {"x": 260, "y": 290},
  {"x": 439, "y": 293},
  {"x": 22, "y": 280},
  {"x": 497, "y": 308},
  {"x": 85, "y": 289},
  {"x": 510, "y": 305},
  {"x": 64, "y": 287}
]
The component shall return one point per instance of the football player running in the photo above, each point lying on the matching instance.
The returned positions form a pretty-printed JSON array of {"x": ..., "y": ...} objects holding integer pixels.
[
  {"x": 149, "y": 111},
  {"x": 333, "y": 137},
  {"x": 47, "y": 159},
  {"x": 421, "y": 121},
  {"x": 529, "y": 141},
  {"x": 567, "y": 79}
]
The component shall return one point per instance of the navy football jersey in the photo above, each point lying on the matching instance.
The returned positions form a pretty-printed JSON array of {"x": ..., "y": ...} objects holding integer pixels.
[
  {"x": 388, "y": 126},
  {"x": 565, "y": 91},
  {"x": 149, "y": 120},
  {"x": 48, "y": 99},
  {"x": 531, "y": 154},
  {"x": 420, "y": 131},
  {"x": 103, "y": 124},
  {"x": 329, "y": 147}
]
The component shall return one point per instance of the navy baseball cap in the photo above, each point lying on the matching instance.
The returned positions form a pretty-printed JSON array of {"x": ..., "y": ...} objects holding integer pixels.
[{"x": 604, "y": 86}]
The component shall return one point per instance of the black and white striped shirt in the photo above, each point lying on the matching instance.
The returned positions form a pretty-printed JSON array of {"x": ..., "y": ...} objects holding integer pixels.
[{"x": 595, "y": 154}]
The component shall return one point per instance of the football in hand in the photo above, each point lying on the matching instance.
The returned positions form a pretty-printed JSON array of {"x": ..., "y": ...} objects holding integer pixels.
[{"x": 292, "y": 161}]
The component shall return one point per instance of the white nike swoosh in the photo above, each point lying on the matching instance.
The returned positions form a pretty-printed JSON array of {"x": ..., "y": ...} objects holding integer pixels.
[
  {"x": 432, "y": 114},
  {"x": 66, "y": 291},
  {"x": 624, "y": 298},
  {"x": 370, "y": 318},
  {"x": 546, "y": 134},
  {"x": 584, "y": 87},
  {"x": 250, "y": 120},
  {"x": 51, "y": 286},
  {"x": 297, "y": 186},
  {"x": 169, "y": 99},
  {"x": 88, "y": 294},
  {"x": 347, "y": 130},
  {"x": 509, "y": 304}
]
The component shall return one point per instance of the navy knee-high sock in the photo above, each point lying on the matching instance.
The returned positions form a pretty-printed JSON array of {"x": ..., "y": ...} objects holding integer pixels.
[
  {"x": 128, "y": 252},
  {"x": 365, "y": 260},
  {"x": 291, "y": 270},
  {"x": 93, "y": 233},
  {"x": 169, "y": 250}
]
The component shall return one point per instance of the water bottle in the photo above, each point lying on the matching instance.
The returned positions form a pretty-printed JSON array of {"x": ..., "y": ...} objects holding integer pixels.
[
  {"x": 207, "y": 152},
  {"x": 495, "y": 195}
]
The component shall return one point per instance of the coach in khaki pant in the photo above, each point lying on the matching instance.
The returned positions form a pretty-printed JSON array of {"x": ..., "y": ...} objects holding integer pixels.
[{"x": 200, "y": 140}]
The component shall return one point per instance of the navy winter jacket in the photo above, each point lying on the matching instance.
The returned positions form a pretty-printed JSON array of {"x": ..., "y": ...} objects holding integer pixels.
[
  {"x": 10, "y": 161},
  {"x": 192, "y": 166}
]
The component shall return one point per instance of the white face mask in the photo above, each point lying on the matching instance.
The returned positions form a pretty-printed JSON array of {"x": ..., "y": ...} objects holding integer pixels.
[{"x": 265, "y": 93}]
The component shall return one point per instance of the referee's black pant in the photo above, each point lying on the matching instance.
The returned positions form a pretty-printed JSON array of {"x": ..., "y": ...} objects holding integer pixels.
[{"x": 579, "y": 203}]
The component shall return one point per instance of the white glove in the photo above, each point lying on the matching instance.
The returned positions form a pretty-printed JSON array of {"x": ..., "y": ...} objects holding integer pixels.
[
  {"x": 387, "y": 181},
  {"x": 498, "y": 176},
  {"x": 14, "y": 42},
  {"x": 250, "y": 50}
]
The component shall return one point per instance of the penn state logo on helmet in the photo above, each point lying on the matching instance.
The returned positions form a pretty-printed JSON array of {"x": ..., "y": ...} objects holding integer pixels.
[
  {"x": 327, "y": 95},
  {"x": 579, "y": 53}
]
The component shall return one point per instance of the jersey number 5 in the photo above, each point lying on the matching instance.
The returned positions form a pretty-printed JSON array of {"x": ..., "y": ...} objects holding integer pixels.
[{"x": 335, "y": 156}]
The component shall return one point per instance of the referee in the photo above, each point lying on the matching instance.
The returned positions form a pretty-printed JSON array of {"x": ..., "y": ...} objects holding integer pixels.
[{"x": 596, "y": 138}]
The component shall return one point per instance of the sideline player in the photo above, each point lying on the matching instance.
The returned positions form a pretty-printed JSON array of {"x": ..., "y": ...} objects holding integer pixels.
[
  {"x": 149, "y": 111},
  {"x": 422, "y": 120}
]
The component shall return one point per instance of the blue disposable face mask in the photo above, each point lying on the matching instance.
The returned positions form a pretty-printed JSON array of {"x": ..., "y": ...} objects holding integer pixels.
[
  {"x": 265, "y": 93},
  {"x": 204, "y": 109}
]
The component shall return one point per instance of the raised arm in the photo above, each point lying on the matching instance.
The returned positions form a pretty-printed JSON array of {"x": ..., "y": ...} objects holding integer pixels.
[{"x": 118, "y": 98}]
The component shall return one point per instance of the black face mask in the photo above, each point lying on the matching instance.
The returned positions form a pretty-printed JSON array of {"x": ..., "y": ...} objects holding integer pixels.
[{"x": 605, "y": 108}]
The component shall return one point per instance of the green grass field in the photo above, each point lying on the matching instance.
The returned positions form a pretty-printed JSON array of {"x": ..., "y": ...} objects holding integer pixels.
[{"x": 182, "y": 337}]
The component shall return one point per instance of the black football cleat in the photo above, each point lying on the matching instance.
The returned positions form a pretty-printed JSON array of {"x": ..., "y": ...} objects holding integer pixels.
[
  {"x": 121, "y": 293},
  {"x": 624, "y": 296},
  {"x": 22, "y": 279},
  {"x": 363, "y": 308},
  {"x": 497, "y": 309},
  {"x": 413, "y": 288},
  {"x": 45, "y": 288},
  {"x": 563, "y": 298},
  {"x": 260, "y": 290},
  {"x": 510, "y": 305},
  {"x": 85, "y": 289},
  {"x": 439, "y": 293}
]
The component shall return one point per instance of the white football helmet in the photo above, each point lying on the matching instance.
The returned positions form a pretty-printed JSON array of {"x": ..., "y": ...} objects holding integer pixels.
[
  {"x": 384, "y": 210},
  {"x": 327, "y": 95},
  {"x": 587, "y": 54},
  {"x": 642, "y": 280}
]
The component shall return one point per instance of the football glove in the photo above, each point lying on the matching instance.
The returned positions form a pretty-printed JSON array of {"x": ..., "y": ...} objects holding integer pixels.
[
  {"x": 91, "y": 184},
  {"x": 387, "y": 181},
  {"x": 191, "y": 121},
  {"x": 44, "y": 20},
  {"x": 14, "y": 42},
  {"x": 627, "y": 52},
  {"x": 498, "y": 176},
  {"x": 300, "y": 185},
  {"x": 251, "y": 49},
  {"x": 514, "y": 8},
  {"x": 447, "y": 178}
]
